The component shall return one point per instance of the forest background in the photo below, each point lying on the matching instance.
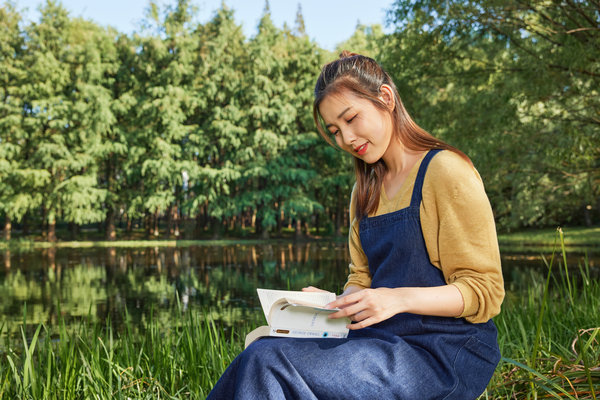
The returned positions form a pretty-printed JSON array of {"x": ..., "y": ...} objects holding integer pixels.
[{"x": 190, "y": 130}]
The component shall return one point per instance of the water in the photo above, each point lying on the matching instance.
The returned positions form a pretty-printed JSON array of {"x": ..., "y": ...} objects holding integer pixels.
[{"x": 96, "y": 283}]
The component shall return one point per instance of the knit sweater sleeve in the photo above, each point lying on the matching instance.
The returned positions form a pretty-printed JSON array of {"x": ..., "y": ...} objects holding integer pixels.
[
  {"x": 359, "y": 264},
  {"x": 460, "y": 234}
]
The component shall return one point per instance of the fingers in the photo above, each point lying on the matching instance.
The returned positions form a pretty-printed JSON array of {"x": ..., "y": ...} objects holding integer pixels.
[
  {"x": 348, "y": 311},
  {"x": 345, "y": 301},
  {"x": 312, "y": 289},
  {"x": 362, "y": 324}
]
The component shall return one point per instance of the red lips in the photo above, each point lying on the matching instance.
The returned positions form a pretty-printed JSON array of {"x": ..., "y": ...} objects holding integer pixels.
[{"x": 362, "y": 149}]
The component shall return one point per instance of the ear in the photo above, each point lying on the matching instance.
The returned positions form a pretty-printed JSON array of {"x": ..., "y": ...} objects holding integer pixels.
[{"x": 386, "y": 94}]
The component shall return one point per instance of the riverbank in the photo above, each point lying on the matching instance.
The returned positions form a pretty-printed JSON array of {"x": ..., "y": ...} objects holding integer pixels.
[{"x": 575, "y": 239}]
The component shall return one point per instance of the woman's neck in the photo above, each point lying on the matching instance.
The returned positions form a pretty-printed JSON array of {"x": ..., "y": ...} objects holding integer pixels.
[{"x": 399, "y": 161}]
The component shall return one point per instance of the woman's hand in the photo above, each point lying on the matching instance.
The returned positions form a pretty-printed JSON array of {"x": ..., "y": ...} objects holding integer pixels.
[
  {"x": 367, "y": 306},
  {"x": 313, "y": 289},
  {"x": 370, "y": 306},
  {"x": 351, "y": 289}
]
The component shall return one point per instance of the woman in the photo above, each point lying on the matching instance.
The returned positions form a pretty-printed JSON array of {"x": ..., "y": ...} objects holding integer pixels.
[{"x": 425, "y": 278}]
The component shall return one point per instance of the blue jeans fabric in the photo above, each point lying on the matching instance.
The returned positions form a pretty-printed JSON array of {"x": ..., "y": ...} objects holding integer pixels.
[{"x": 405, "y": 357}]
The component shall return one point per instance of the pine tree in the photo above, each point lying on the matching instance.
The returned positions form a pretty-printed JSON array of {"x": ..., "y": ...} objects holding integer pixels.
[
  {"x": 270, "y": 122},
  {"x": 166, "y": 72},
  {"x": 46, "y": 109},
  {"x": 366, "y": 40},
  {"x": 300, "y": 27},
  {"x": 92, "y": 58},
  {"x": 216, "y": 143},
  {"x": 19, "y": 182},
  {"x": 115, "y": 158}
]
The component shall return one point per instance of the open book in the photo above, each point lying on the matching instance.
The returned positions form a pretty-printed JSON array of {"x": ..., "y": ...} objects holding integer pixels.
[{"x": 298, "y": 314}]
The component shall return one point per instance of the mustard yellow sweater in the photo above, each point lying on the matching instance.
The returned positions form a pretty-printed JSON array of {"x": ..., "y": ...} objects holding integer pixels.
[{"x": 459, "y": 231}]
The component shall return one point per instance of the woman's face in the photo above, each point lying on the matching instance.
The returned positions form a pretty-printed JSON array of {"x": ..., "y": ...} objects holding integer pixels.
[{"x": 359, "y": 127}]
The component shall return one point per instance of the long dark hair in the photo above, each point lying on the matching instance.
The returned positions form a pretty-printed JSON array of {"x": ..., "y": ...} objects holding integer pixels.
[{"x": 363, "y": 76}]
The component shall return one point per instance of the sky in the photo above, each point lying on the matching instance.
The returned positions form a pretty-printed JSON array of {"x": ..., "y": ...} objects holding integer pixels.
[{"x": 328, "y": 22}]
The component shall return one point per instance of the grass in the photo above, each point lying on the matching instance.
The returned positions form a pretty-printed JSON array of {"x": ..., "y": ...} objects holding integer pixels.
[
  {"x": 576, "y": 236},
  {"x": 549, "y": 334},
  {"x": 27, "y": 245},
  {"x": 180, "y": 360},
  {"x": 539, "y": 240}
]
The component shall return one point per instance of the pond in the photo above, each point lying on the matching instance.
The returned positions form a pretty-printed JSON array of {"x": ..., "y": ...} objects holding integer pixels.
[{"x": 44, "y": 286}]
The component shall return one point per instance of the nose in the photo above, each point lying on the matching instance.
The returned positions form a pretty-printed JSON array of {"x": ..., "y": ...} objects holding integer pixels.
[{"x": 348, "y": 136}]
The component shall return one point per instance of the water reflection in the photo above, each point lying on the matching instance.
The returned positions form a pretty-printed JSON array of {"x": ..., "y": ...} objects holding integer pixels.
[
  {"x": 99, "y": 283},
  {"x": 96, "y": 283}
]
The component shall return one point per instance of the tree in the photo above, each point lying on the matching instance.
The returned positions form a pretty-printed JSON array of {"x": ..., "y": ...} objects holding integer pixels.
[
  {"x": 515, "y": 78},
  {"x": 216, "y": 145},
  {"x": 19, "y": 182},
  {"x": 115, "y": 158},
  {"x": 48, "y": 120},
  {"x": 366, "y": 40},
  {"x": 164, "y": 105}
]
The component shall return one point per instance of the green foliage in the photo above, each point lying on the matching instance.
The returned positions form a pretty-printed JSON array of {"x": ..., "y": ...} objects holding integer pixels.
[
  {"x": 515, "y": 86},
  {"x": 209, "y": 130},
  {"x": 366, "y": 40}
]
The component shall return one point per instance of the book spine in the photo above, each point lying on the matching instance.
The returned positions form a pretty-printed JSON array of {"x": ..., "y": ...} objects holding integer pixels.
[{"x": 303, "y": 333}]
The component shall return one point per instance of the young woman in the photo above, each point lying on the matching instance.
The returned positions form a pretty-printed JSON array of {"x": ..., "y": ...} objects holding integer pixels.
[{"x": 425, "y": 278}]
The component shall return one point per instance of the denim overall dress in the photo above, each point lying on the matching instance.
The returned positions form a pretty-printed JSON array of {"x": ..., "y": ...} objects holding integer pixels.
[{"x": 408, "y": 356}]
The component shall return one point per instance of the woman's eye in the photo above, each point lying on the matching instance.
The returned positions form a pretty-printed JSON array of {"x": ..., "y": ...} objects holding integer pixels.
[
  {"x": 334, "y": 133},
  {"x": 351, "y": 119}
]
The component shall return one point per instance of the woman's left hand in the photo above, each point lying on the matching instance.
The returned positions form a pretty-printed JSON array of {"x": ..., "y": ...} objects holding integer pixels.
[{"x": 368, "y": 306}]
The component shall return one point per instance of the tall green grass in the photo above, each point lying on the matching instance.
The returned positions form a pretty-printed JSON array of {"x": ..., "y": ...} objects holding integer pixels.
[
  {"x": 549, "y": 333},
  {"x": 180, "y": 360}
]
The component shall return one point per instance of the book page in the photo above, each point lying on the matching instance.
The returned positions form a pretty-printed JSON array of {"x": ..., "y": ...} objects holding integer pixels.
[
  {"x": 268, "y": 297},
  {"x": 286, "y": 316},
  {"x": 256, "y": 334}
]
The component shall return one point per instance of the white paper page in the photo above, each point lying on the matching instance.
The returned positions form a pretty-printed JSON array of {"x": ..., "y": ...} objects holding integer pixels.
[
  {"x": 307, "y": 318},
  {"x": 268, "y": 296}
]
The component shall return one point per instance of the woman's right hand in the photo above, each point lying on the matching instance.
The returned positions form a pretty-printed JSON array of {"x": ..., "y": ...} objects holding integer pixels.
[
  {"x": 351, "y": 289},
  {"x": 313, "y": 289}
]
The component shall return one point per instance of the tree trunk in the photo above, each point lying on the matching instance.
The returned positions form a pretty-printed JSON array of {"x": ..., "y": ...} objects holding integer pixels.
[
  {"x": 198, "y": 229},
  {"x": 109, "y": 223},
  {"x": 25, "y": 225},
  {"x": 587, "y": 215},
  {"x": 155, "y": 224},
  {"x": 148, "y": 224},
  {"x": 280, "y": 215},
  {"x": 52, "y": 230},
  {"x": 129, "y": 225},
  {"x": 298, "y": 228},
  {"x": 7, "y": 227},
  {"x": 73, "y": 230},
  {"x": 306, "y": 228},
  {"x": 170, "y": 231},
  {"x": 7, "y": 259},
  {"x": 176, "y": 220},
  {"x": 44, "y": 229},
  {"x": 265, "y": 234},
  {"x": 215, "y": 227}
]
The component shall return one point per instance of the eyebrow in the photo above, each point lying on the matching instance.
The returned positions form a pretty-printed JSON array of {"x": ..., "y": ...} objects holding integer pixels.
[{"x": 339, "y": 116}]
